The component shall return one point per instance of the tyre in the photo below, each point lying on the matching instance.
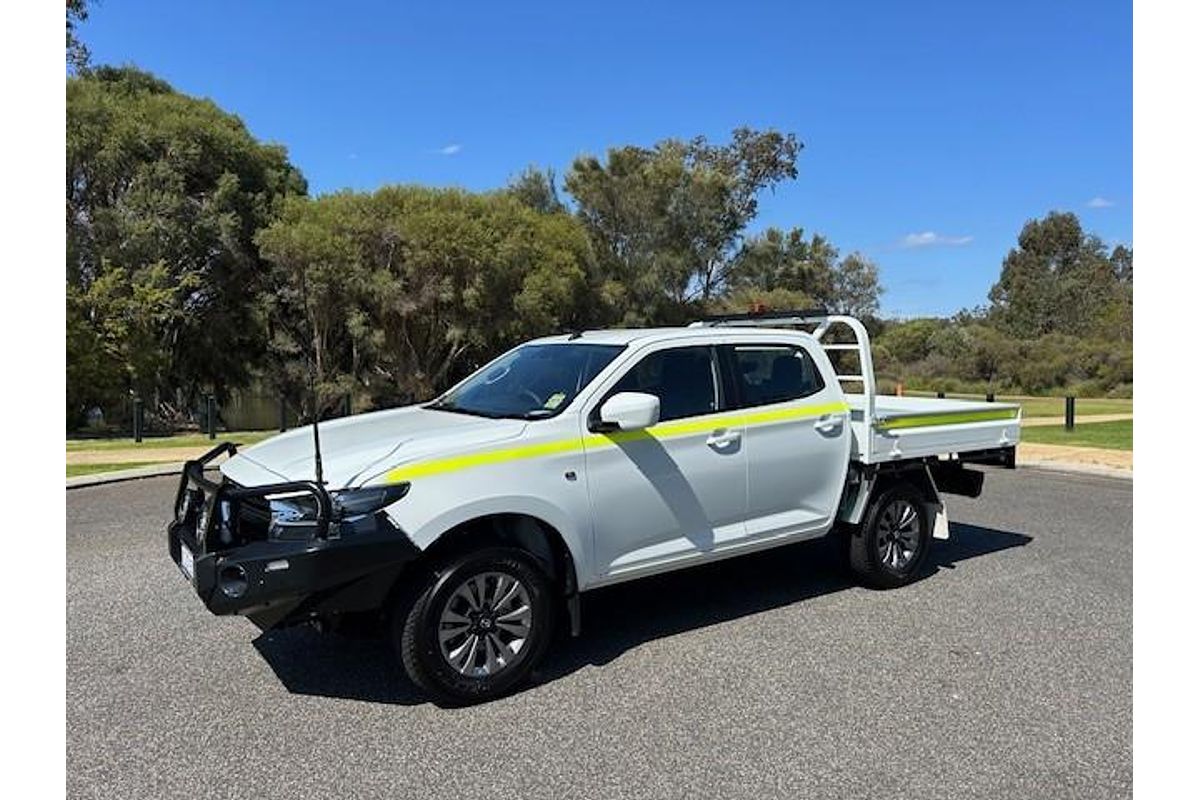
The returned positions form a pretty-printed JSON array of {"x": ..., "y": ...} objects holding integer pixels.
[
  {"x": 477, "y": 627},
  {"x": 889, "y": 547}
]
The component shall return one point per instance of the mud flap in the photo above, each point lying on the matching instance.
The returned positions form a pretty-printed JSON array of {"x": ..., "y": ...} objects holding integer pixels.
[{"x": 941, "y": 522}]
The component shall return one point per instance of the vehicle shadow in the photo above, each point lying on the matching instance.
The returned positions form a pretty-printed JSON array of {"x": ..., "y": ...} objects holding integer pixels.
[{"x": 615, "y": 619}]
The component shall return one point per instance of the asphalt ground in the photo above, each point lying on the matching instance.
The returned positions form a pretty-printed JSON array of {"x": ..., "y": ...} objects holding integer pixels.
[{"x": 1005, "y": 672}]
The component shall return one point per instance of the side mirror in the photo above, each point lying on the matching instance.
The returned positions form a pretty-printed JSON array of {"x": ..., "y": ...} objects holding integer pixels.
[{"x": 629, "y": 411}]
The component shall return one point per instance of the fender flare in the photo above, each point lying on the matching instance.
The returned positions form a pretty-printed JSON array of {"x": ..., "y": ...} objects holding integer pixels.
[{"x": 536, "y": 508}]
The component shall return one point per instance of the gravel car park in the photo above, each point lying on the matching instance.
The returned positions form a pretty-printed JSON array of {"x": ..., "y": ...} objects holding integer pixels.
[{"x": 1003, "y": 672}]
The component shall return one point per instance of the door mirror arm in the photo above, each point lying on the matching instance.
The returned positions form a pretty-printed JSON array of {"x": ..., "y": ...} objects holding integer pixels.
[{"x": 596, "y": 425}]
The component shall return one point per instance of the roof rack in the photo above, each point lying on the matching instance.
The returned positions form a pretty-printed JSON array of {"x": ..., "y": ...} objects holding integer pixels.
[{"x": 762, "y": 318}]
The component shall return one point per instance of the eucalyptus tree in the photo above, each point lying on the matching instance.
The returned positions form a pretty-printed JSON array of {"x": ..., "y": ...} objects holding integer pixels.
[
  {"x": 666, "y": 221},
  {"x": 164, "y": 194}
]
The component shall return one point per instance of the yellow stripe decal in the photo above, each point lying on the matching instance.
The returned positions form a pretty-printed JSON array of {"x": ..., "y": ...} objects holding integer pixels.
[
  {"x": 949, "y": 418},
  {"x": 665, "y": 430}
]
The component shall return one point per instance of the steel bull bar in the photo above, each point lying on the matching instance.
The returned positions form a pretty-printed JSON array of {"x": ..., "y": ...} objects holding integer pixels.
[{"x": 277, "y": 581}]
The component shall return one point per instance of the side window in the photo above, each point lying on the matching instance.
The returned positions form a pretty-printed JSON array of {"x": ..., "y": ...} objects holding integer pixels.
[
  {"x": 774, "y": 373},
  {"x": 683, "y": 380}
]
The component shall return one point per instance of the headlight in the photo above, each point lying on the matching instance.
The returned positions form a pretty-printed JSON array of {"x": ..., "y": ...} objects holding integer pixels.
[
  {"x": 369, "y": 499},
  {"x": 295, "y": 517}
]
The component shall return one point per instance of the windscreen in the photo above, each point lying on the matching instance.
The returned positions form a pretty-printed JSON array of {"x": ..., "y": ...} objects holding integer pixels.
[{"x": 534, "y": 381}]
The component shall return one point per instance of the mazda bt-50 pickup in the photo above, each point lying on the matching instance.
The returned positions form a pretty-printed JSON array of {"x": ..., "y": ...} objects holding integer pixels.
[{"x": 472, "y": 523}]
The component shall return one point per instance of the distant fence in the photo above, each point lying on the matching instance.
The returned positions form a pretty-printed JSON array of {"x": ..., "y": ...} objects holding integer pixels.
[
  {"x": 256, "y": 412},
  {"x": 1065, "y": 407},
  {"x": 244, "y": 411}
]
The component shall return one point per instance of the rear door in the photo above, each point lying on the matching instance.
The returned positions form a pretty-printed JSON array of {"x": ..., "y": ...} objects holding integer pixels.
[{"x": 797, "y": 436}]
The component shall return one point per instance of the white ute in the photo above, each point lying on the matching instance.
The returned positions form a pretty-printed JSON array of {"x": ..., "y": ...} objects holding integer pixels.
[{"x": 582, "y": 460}]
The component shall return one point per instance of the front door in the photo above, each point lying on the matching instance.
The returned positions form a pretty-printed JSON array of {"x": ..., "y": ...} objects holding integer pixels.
[{"x": 678, "y": 489}]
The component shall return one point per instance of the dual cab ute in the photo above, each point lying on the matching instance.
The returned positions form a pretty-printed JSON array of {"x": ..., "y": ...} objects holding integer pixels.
[{"x": 473, "y": 522}]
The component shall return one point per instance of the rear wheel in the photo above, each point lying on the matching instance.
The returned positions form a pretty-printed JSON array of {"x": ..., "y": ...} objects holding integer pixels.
[
  {"x": 478, "y": 626},
  {"x": 889, "y": 547}
]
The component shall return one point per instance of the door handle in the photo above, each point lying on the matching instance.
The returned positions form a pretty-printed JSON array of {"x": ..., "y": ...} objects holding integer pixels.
[
  {"x": 828, "y": 424},
  {"x": 723, "y": 438}
]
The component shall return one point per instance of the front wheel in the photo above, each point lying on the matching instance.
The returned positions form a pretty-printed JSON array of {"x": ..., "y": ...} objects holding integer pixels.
[
  {"x": 478, "y": 626},
  {"x": 889, "y": 547}
]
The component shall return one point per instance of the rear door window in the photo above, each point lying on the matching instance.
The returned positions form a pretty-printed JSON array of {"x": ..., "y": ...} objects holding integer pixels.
[{"x": 765, "y": 374}]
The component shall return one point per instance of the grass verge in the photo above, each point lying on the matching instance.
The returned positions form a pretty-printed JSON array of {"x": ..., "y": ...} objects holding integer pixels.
[
  {"x": 1050, "y": 406},
  {"x": 1109, "y": 435},
  {"x": 75, "y": 470},
  {"x": 185, "y": 440}
]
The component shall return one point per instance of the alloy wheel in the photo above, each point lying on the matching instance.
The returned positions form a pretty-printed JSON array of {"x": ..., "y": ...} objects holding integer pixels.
[
  {"x": 485, "y": 624},
  {"x": 898, "y": 535}
]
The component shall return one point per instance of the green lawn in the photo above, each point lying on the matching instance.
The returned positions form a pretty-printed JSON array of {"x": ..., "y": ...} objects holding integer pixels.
[
  {"x": 185, "y": 440},
  {"x": 1110, "y": 435},
  {"x": 91, "y": 469},
  {"x": 1051, "y": 406}
]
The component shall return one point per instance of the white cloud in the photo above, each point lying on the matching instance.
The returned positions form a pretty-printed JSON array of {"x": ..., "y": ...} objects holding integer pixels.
[
  {"x": 1099, "y": 202},
  {"x": 449, "y": 150},
  {"x": 931, "y": 239}
]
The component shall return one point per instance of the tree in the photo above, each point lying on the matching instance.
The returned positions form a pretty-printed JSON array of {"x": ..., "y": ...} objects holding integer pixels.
[
  {"x": 774, "y": 261},
  {"x": 164, "y": 194},
  {"x": 665, "y": 221},
  {"x": 746, "y": 300},
  {"x": 777, "y": 260},
  {"x": 1122, "y": 263},
  {"x": 911, "y": 341},
  {"x": 318, "y": 282},
  {"x": 1061, "y": 320},
  {"x": 537, "y": 189},
  {"x": 94, "y": 373},
  {"x": 856, "y": 287},
  {"x": 1058, "y": 279},
  {"x": 408, "y": 288},
  {"x": 77, "y": 52}
]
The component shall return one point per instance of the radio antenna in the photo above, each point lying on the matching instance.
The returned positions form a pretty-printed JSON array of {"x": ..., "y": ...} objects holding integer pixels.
[{"x": 312, "y": 383}]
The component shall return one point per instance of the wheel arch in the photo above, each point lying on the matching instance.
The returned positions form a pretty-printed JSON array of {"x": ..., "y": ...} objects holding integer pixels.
[
  {"x": 867, "y": 484},
  {"x": 915, "y": 474},
  {"x": 531, "y": 524},
  {"x": 521, "y": 530}
]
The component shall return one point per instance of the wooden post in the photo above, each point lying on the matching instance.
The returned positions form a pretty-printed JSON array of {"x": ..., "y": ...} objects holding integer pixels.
[{"x": 1070, "y": 413}]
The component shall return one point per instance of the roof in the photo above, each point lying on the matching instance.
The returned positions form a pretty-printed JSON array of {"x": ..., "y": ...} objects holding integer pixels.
[{"x": 625, "y": 336}]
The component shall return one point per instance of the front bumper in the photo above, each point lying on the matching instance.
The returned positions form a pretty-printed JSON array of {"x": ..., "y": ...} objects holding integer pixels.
[{"x": 280, "y": 582}]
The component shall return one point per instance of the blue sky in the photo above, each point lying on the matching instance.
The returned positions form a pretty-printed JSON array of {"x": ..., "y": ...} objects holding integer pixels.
[{"x": 933, "y": 130}]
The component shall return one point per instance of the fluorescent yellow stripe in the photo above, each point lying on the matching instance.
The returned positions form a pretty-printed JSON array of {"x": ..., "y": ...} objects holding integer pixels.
[
  {"x": 949, "y": 418},
  {"x": 784, "y": 414},
  {"x": 665, "y": 430},
  {"x": 488, "y": 457}
]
